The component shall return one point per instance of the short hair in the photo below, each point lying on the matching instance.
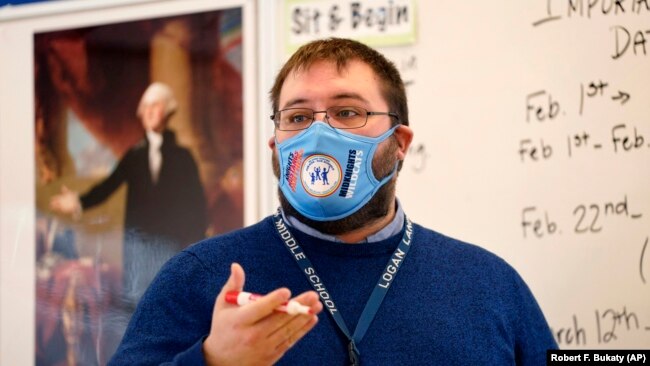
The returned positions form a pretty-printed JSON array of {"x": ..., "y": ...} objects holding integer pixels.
[
  {"x": 158, "y": 91},
  {"x": 341, "y": 51}
]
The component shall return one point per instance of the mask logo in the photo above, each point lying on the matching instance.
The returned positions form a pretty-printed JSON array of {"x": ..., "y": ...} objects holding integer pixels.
[
  {"x": 320, "y": 175},
  {"x": 352, "y": 170},
  {"x": 291, "y": 172}
]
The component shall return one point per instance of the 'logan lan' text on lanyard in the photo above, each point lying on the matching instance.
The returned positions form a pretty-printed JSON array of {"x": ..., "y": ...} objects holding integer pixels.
[{"x": 398, "y": 257}]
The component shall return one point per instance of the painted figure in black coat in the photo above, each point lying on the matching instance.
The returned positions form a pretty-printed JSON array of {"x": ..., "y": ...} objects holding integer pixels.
[{"x": 165, "y": 206}]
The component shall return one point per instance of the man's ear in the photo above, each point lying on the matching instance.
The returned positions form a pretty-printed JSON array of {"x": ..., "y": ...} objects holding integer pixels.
[
  {"x": 404, "y": 136},
  {"x": 272, "y": 143}
]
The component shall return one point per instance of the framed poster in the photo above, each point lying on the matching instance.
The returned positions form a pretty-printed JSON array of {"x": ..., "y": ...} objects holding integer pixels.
[{"x": 124, "y": 138}]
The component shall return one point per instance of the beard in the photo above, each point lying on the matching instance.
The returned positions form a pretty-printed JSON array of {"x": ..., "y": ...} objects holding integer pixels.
[{"x": 383, "y": 164}]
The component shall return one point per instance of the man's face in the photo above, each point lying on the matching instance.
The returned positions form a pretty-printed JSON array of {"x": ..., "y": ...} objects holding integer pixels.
[
  {"x": 323, "y": 86},
  {"x": 153, "y": 116}
]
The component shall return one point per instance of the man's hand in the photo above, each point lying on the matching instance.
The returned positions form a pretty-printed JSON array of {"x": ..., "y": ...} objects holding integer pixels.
[
  {"x": 66, "y": 202},
  {"x": 255, "y": 334}
]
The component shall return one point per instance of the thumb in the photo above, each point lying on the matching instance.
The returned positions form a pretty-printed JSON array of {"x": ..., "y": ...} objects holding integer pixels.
[
  {"x": 235, "y": 283},
  {"x": 65, "y": 189}
]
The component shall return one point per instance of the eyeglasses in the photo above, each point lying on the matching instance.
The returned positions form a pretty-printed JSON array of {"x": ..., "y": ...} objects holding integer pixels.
[{"x": 295, "y": 119}]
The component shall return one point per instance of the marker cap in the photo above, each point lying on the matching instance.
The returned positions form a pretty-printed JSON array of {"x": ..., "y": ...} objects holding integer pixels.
[{"x": 231, "y": 297}]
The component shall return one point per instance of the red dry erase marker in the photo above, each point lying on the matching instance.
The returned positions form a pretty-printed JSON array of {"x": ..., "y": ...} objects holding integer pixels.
[{"x": 291, "y": 307}]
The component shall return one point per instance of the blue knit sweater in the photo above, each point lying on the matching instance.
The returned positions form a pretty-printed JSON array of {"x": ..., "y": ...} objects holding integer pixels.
[{"x": 451, "y": 303}]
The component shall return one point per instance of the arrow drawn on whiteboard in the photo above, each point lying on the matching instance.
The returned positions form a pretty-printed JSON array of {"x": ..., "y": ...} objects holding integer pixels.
[
  {"x": 623, "y": 96},
  {"x": 641, "y": 262}
]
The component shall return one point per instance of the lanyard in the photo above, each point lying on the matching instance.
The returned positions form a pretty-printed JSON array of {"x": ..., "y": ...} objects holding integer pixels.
[{"x": 376, "y": 297}]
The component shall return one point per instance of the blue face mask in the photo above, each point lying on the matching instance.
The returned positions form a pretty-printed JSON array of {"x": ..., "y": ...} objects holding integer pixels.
[{"x": 326, "y": 173}]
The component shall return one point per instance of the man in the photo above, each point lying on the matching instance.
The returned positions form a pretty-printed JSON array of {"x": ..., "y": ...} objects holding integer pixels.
[
  {"x": 391, "y": 292},
  {"x": 165, "y": 207}
]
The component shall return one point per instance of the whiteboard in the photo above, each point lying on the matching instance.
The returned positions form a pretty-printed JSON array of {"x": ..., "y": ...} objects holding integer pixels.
[{"x": 532, "y": 140}]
